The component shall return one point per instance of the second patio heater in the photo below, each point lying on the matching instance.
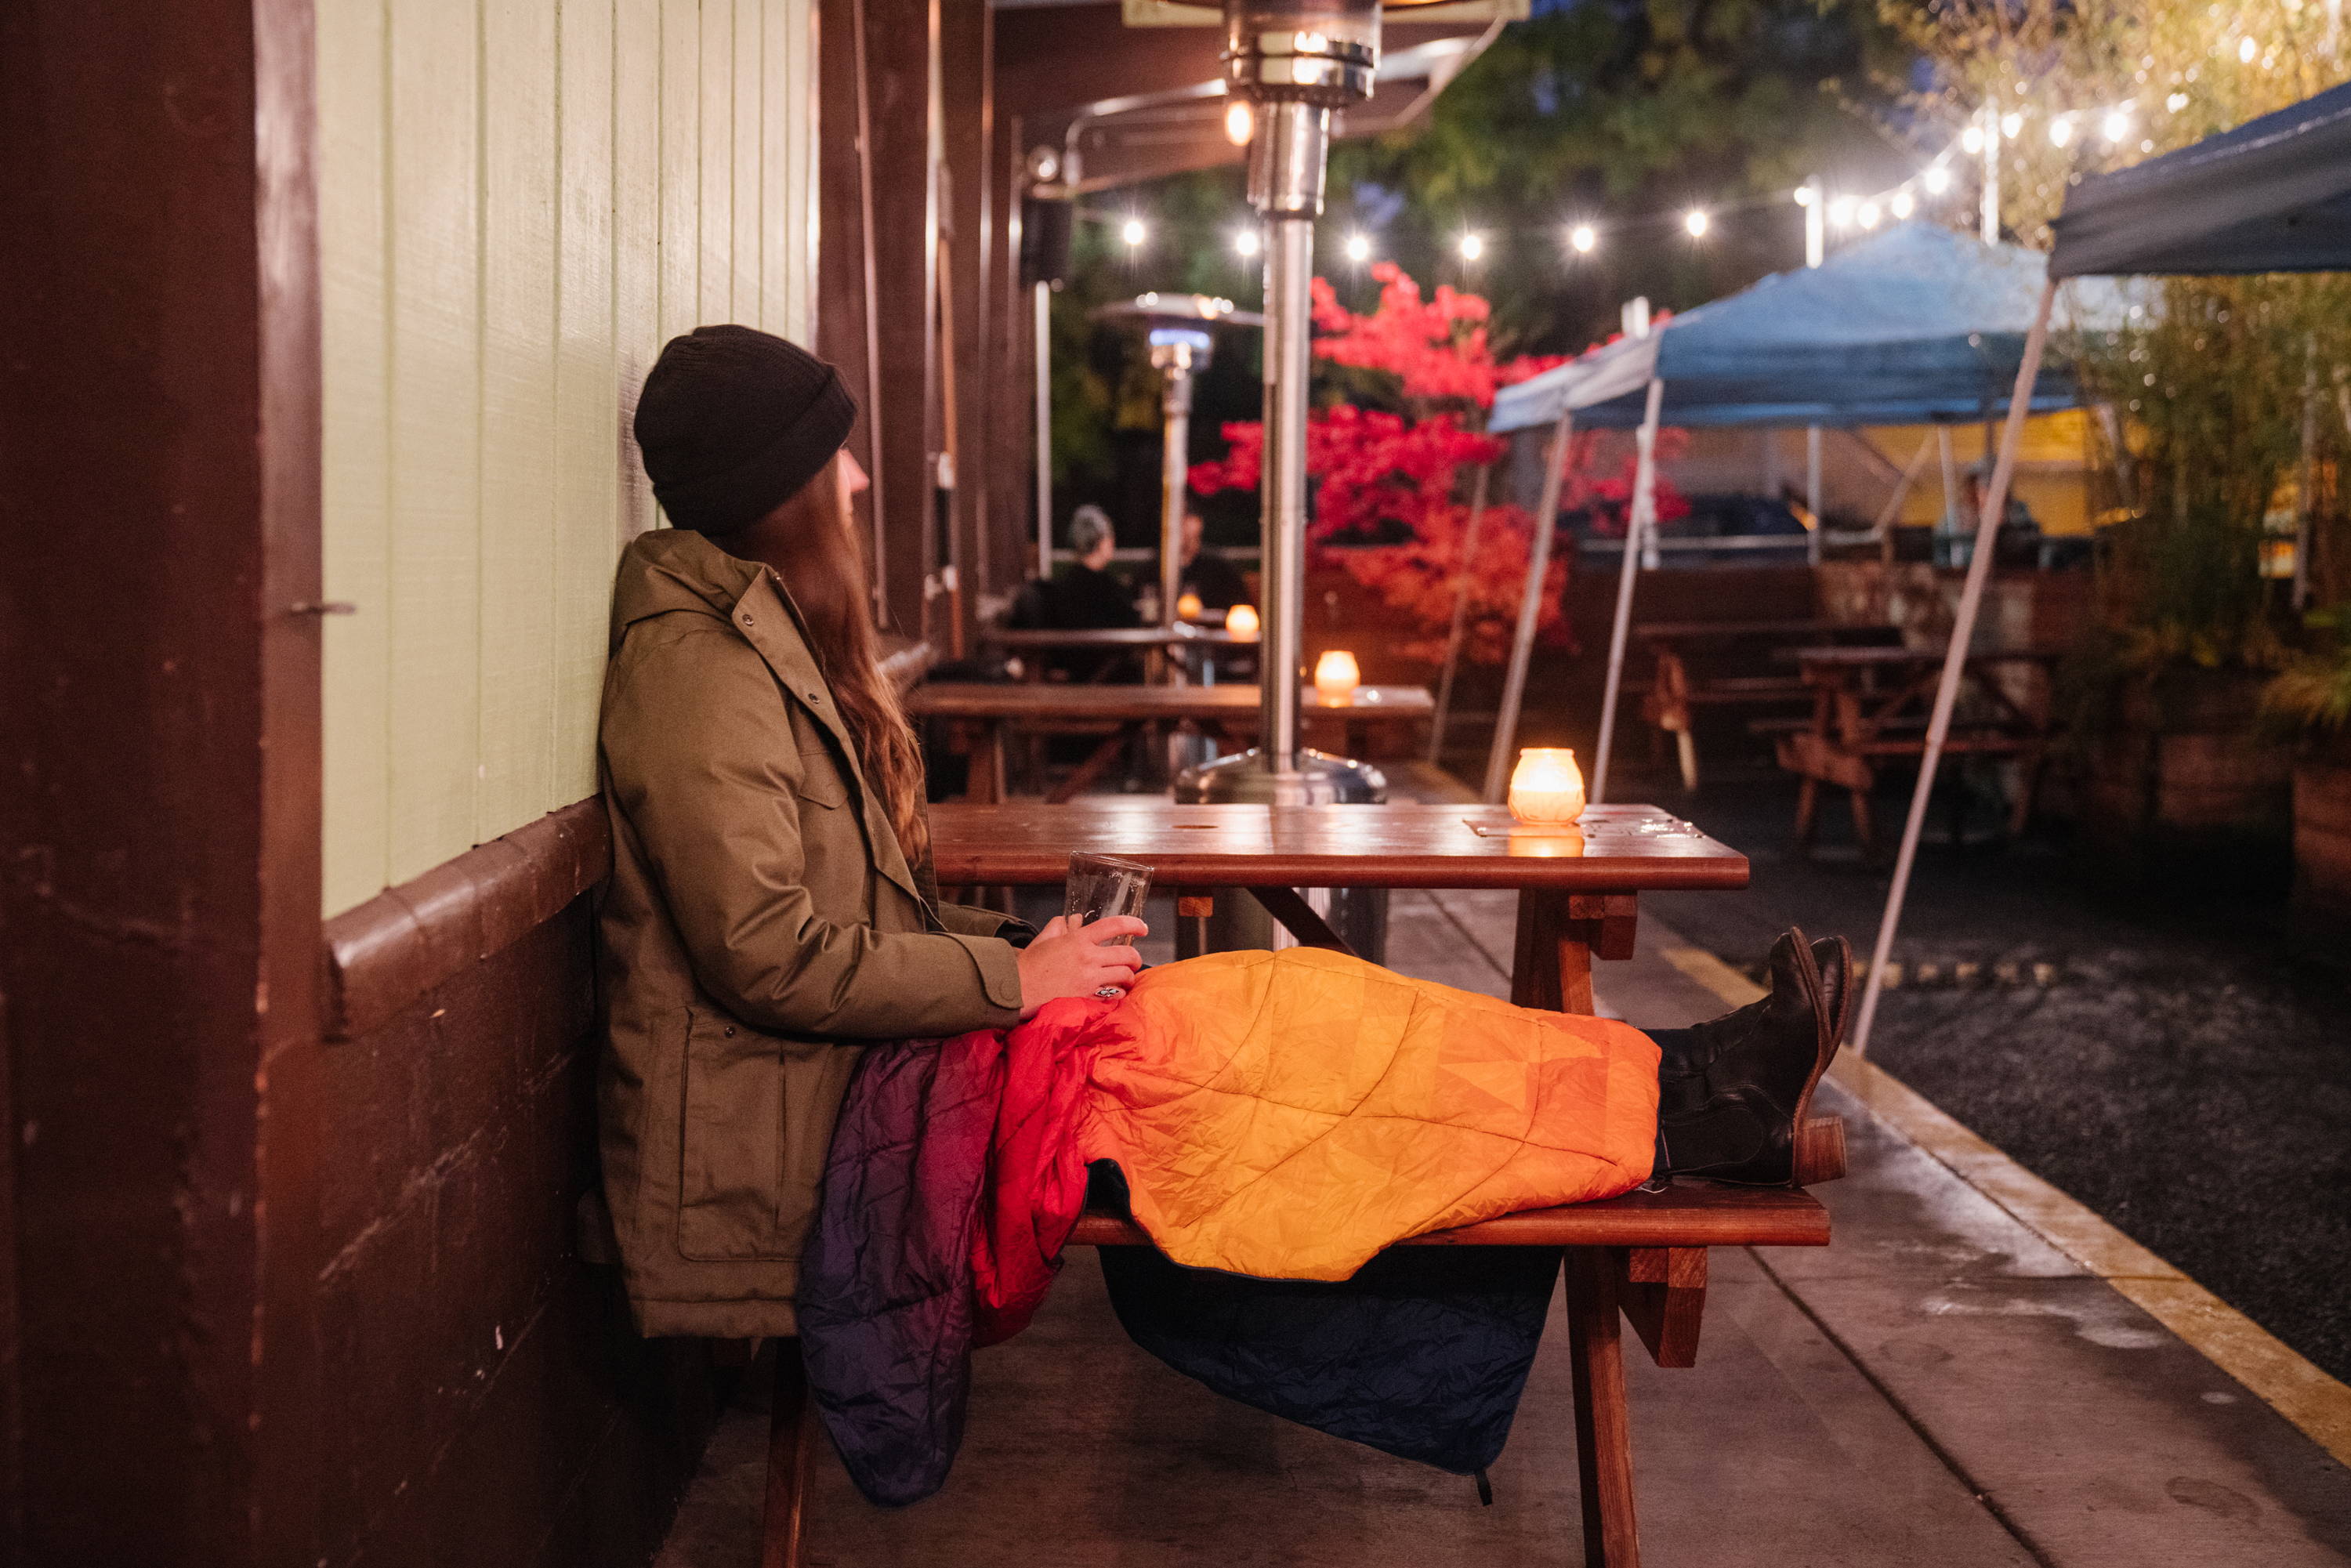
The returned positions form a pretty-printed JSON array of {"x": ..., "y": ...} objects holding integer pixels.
[{"x": 1292, "y": 63}]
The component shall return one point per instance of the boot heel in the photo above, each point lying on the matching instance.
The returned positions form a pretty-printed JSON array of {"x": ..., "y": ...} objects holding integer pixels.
[{"x": 1820, "y": 1151}]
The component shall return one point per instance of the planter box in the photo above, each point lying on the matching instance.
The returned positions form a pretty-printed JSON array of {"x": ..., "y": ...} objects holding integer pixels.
[
  {"x": 2183, "y": 785},
  {"x": 2322, "y": 831}
]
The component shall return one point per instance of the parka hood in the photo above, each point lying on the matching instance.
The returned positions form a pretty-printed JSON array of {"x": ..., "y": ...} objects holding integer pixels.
[{"x": 669, "y": 569}]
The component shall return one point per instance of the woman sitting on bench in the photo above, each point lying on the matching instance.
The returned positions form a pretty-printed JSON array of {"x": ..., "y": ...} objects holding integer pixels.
[{"x": 772, "y": 909}]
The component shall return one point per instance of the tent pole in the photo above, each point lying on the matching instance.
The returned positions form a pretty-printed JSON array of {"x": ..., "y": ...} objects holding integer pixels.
[
  {"x": 1640, "y": 527},
  {"x": 1460, "y": 615},
  {"x": 1523, "y": 643},
  {"x": 1955, "y": 658}
]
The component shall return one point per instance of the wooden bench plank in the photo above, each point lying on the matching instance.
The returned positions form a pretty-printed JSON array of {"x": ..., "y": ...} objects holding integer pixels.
[{"x": 1687, "y": 1213}]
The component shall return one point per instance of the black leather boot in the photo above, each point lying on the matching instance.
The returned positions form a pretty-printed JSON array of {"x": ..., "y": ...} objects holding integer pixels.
[{"x": 1733, "y": 1094}]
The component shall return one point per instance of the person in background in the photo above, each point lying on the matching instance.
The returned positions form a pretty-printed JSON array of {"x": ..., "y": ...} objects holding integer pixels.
[
  {"x": 1216, "y": 581},
  {"x": 1084, "y": 597}
]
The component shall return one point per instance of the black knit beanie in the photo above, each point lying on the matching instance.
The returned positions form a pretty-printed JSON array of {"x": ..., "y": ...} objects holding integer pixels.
[{"x": 734, "y": 421}]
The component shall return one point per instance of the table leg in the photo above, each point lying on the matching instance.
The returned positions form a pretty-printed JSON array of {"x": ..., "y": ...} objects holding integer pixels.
[
  {"x": 985, "y": 782},
  {"x": 1086, "y": 772},
  {"x": 1603, "y": 1433},
  {"x": 1558, "y": 936},
  {"x": 791, "y": 1441}
]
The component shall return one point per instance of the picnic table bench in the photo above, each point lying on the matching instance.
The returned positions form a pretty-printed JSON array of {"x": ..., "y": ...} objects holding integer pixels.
[
  {"x": 1871, "y": 706},
  {"x": 1712, "y": 664},
  {"x": 1640, "y": 1257}
]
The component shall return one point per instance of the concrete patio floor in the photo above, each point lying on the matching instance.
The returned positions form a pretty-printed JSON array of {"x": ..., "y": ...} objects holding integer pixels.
[{"x": 1939, "y": 1386}]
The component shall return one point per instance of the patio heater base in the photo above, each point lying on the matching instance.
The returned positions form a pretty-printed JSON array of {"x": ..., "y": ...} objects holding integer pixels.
[{"x": 1358, "y": 914}]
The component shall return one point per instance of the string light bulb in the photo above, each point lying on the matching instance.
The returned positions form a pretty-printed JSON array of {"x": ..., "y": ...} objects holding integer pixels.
[
  {"x": 1246, "y": 242},
  {"x": 1901, "y": 206},
  {"x": 1133, "y": 232},
  {"x": 2011, "y": 124},
  {"x": 1938, "y": 178},
  {"x": 1240, "y": 122},
  {"x": 2116, "y": 125},
  {"x": 1972, "y": 140},
  {"x": 2246, "y": 50},
  {"x": 2061, "y": 132},
  {"x": 1696, "y": 222},
  {"x": 1583, "y": 236},
  {"x": 1471, "y": 246},
  {"x": 1359, "y": 249},
  {"x": 1840, "y": 210},
  {"x": 1866, "y": 215}
]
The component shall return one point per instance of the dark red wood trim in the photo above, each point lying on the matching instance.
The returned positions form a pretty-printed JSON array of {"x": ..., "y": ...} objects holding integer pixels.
[
  {"x": 406, "y": 940},
  {"x": 288, "y": 1144}
]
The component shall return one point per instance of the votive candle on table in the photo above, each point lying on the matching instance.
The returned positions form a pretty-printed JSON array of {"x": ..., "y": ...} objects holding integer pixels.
[
  {"x": 1241, "y": 621},
  {"x": 1188, "y": 607},
  {"x": 1336, "y": 675},
  {"x": 1546, "y": 787}
]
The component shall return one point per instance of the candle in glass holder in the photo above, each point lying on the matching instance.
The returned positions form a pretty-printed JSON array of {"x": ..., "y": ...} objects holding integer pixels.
[
  {"x": 1188, "y": 607},
  {"x": 1546, "y": 787},
  {"x": 1336, "y": 675},
  {"x": 1241, "y": 621}
]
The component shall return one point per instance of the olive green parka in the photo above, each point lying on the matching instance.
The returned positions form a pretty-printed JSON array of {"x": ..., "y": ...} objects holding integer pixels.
[{"x": 761, "y": 924}]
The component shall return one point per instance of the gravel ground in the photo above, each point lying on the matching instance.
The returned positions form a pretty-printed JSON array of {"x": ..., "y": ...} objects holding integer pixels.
[{"x": 2179, "y": 1061}]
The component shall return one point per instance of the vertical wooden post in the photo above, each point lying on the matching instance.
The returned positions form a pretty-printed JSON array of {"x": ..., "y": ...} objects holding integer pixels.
[
  {"x": 1603, "y": 1431},
  {"x": 159, "y": 293},
  {"x": 791, "y": 1442}
]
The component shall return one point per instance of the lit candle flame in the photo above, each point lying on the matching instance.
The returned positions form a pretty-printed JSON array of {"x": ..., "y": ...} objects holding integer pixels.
[
  {"x": 1546, "y": 787},
  {"x": 1336, "y": 675},
  {"x": 1241, "y": 621}
]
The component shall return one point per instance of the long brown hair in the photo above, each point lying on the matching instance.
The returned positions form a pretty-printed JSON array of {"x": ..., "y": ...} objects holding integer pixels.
[{"x": 825, "y": 568}]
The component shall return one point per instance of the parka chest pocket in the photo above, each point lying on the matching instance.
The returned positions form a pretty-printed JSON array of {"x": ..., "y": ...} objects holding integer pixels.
[
  {"x": 732, "y": 1186},
  {"x": 820, "y": 781}
]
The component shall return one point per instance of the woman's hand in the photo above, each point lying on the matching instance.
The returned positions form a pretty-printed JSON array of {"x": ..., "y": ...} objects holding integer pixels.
[{"x": 1063, "y": 961}]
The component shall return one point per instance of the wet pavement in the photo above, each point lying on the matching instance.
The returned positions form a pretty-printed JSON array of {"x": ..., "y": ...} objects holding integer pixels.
[
  {"x": 1939, "y": 1386},
  {"x": 2178, "y": 1060}
]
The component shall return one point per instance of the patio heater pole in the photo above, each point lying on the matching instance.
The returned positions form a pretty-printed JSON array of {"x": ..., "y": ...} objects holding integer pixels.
[
  {"x": 1043, "y": 311},
  {"x": 1640, "y": 524},
  {"x": 1523, "y": 642},
  {"x": 1292, "y": 61},
  {"x": 1461, "y": 615},
  {"x": 1955, "y": 658},
  {"x": 1175, "y": 360}
]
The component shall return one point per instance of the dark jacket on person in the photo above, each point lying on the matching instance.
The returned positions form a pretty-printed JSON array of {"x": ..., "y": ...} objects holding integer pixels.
[
  {"x": 761, "y": 924},
  {"x": 1079, "y": 598},
  {"x": 1216, "y": 580}
]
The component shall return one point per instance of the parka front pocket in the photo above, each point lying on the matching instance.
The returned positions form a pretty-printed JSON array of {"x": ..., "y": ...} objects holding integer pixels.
[{"x": 731, "y": 1147}]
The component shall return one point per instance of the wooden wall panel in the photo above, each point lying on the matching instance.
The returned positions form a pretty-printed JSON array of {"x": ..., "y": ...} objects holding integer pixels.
[
  {"x": 716, "y": 123},
  {"x": 433, "y": 598},
  {"x": 356, "y": 442},
  {"x": 637, "y": 128},
  {"x": 515, "y": 613},
  {"x": 587, "y": 396},
  {"x": 526, "y": 198}
]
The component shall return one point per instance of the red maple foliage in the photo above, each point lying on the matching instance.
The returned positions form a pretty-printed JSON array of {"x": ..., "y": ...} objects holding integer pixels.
[{"x": 1396, "y": 476}]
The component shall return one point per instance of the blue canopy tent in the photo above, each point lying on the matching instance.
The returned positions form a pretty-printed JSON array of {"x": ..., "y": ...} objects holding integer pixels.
[
  {"x": 2272, "y": 195},
  {"x": 1915, "y": 326},
  {"x": 1907, "y": 326}
]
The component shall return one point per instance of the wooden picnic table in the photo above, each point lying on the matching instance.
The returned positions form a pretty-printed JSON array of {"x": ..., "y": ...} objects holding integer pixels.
[
  {"x": 1230, "y": 712},
  {"x": 1578, "y": 892},
  {"x": 1871, "y": 706},
  {"x": 1155, "y": 642},
  {"x": 1639, "y": 1259},
  {"x": 1697, "y": 665}
]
